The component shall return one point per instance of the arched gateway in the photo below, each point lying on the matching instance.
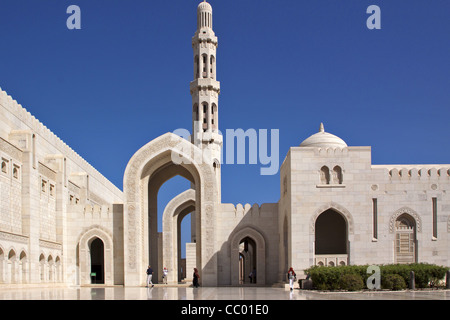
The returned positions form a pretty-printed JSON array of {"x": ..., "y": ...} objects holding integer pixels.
[
  {"x": 174, "y": 212},
  {"x": 149, "y": 167}
]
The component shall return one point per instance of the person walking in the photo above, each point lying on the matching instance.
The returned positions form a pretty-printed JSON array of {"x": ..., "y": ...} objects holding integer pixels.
[
  {"x": 165, "y": 272},
  {"x": 149, "y": 276},
  {"x": 292, "y": 277},
  {"x": 196, "y": 277}
]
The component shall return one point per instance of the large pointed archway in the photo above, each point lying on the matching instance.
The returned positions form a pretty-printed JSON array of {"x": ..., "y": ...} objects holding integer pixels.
[
  {"x": 174, "y": 212},
  {"x": 330, "y": 230},
  {"x": 95, "y": 255},
  {"x": 258, "y": 252},
  {"x": 164, "y": 157}
]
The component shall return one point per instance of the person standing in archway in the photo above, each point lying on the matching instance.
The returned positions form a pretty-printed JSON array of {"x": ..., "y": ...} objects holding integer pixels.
[
  {"x": 196, "y": 277},
  {"x": 149, "y": 276},
  {"x": 165, "y": 272},
  {"x": 292, "y": 277}
]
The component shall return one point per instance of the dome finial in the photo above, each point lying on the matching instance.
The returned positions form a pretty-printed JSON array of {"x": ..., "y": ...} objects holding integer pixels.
[{"x": 321, "y": 128}]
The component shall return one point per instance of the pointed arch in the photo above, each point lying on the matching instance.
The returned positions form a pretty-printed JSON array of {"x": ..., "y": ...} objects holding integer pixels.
[
  {"x": 174, "y": 212},
  {"x": 168, "y": 150},
  {"x": 84, "y": 245},
  {"x": 235, "y": 240},
  {"x": 324, "y": 175},
  {"x": 401, "y": 211},
  {"x": 337, "y": 175},
  {"x": 336, "y": 207},
  {"x": 405, "y": 224}
]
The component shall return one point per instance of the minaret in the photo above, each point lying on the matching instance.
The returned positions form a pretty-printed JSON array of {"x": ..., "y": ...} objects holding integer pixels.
[{"x": 205, "y": 89}]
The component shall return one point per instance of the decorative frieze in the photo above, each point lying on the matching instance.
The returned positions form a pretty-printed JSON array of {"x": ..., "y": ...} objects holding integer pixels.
[
  {"x": 10, "y": 149},
  {"x": 46, "y": 171},
  {"x": 50, "y": 244},
  {"x": 13, "y": 237}
]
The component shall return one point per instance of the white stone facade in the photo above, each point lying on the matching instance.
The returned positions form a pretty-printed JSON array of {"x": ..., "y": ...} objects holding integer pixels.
[{"x": 61, "y": 221}]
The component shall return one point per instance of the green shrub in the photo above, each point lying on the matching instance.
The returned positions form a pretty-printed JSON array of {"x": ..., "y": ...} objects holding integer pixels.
[
  {"x": 351, "y": 282},
  {"x": 393, "y": 282},
  {"x": 330, "y": 278}
]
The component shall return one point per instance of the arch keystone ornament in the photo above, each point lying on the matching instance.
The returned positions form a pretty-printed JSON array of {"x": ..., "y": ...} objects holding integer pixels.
[{"x": 155, "y": 157}]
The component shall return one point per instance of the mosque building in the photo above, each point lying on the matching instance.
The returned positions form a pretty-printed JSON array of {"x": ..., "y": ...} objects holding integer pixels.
[{"x": 61, "y": 221}]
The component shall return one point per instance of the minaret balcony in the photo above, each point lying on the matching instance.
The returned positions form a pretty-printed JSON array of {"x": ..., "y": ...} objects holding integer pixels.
[
  {"x": 204, "y": 35},
  {"x": 207, "y": 83},
  {"x": 210, "y": 136}
]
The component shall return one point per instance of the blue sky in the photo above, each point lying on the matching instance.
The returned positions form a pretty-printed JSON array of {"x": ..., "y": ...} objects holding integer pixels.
[{"x": 123, "y": 79}]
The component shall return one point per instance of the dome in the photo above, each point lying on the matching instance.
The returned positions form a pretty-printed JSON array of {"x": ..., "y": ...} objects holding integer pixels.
[
  {"x": 204, "y": 6},
  {"x": 323, "y": 139}
]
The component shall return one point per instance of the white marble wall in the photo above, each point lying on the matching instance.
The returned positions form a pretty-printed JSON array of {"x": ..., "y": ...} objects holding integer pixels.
[{"x": 395, "y": 187}]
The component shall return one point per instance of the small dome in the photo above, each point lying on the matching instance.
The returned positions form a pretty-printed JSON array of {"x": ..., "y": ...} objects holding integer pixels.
[
  {"x": 323, "y": 139},
  {"x": 204, "y": 6}
]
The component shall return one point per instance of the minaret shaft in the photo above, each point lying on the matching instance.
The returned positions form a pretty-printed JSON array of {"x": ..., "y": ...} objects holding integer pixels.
[{"x": 205, "y": 89}]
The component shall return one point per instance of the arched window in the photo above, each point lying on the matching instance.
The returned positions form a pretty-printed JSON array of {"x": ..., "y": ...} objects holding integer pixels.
[
  {"x": 12, "y": 261},
  {"x": 58, "y": 269},
  {"x": 337, "y": 175},
  {"x": 196, "y": 68},
  {"x": 16, "y": 172},
  {"x": 214, "y": 116},
  {"x": 212, "y": 66},
  {"x": 205, "y": 117},
  {"x": 195, "y": 111},
  {"x": 23, "y": 262},
  {"x": 216, "y": 164},
  {"x": 4, "y": 167},
  {"x": 42, "y": 267},
  {"x": 324, "y": 175},
  {"x": 205, "y": 59},
  {"x": 50, "y": 268}
]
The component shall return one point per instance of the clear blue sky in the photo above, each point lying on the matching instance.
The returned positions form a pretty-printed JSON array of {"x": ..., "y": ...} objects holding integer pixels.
[{"x": 123, "y": 80}]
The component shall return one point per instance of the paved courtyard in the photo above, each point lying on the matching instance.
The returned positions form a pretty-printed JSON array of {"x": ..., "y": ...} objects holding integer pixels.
[{"x": 221, "y": 293}]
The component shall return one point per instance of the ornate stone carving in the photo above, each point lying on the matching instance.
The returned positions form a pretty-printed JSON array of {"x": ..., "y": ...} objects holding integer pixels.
[
  {"x": 13, "y": 237},
  {"x": 50, "y": 245},
  {"x": 10, "y": 149},
  {"x": 401, "y": 211},
  {"x": 157, "y": 153},
  {"x": 46, "y": 171}
]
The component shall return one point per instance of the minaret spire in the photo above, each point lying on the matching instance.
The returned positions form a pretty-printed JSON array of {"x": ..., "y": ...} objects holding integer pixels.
[{"x": 205, "y": 90}]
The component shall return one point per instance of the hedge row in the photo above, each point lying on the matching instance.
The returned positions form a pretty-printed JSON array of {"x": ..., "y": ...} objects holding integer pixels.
[{"x": 393, "y": 276}]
